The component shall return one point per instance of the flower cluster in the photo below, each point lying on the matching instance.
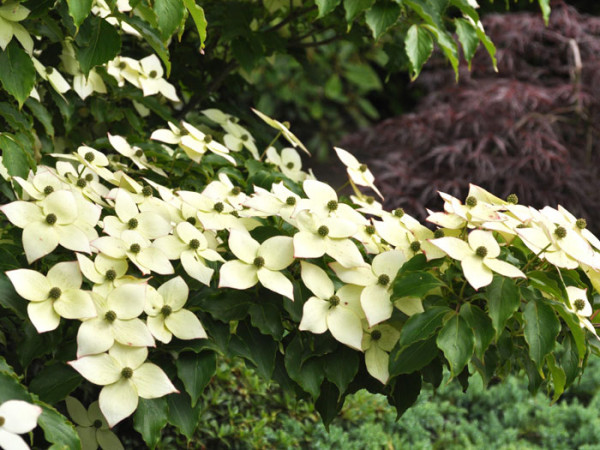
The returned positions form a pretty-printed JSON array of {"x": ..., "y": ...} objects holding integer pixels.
[{"x": 126, "y": 232}]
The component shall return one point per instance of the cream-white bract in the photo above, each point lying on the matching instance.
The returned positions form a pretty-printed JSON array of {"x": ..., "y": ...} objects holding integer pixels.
[
  {"x": 377, "y": 344},
  {"x": 11, "y": 13},
  {"x": 283, "y": 129},
  {"x": 18, "y": 417},
  {"x": 358, "y": 173},
  {"x": 580, "y": 305}
]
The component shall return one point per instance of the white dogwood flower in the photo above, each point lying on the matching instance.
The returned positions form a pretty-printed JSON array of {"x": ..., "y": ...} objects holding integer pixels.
[
  {"x": 358, "y": 173},
  {"x": 17, "y": 417},
  {"x": 125, "y": 376},
  {"x": 258, "y": 262},
  {"x": 377, "y": 344},
  {"x": 53, "y": 296},
  {"x": 91, "y": 426},
  {"x": 283, "y": 129}
]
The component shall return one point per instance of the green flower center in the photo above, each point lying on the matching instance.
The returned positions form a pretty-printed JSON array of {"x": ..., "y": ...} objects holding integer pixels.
[
  {"x": 290, "y": 165},
  {"x": 208, "y": 139},
  {"x": 244, "y": 137},
  {"x": 362, "y": 167},
  {"x": 415, "y": 246},
  {"x": 438, "y": 233},
  {"x": 290, "y": 201},
  {"x": 89, "y": 177},
  {"x": 521, "y": 225},
  {"x": 97, "y": 423},
  {"x": 560, "y": 232},
  {"x": 48, "y": 190},
  {"x": 89, "y": 156},
  {"x": 370, "y": 200},
  {"x": 219, "y": 207},
  {"x": 334, "y": 300},
  {"x": 481, "y": 251},
  {"x": 332, "y": 205},
  {"x": 323, "y": 231},
  {"x": 512, "y": 198},
  {"x": 132, "y": 224},
  {"x": 166, "y": 311},
  {"x": 135, "y": 248},
  {"x": 139, "y": 153},
  {"x": 236, "y": 190},
  {"x": 579, "y": 304},
  {"x": 51, "y": 219},
  {"x": 110, "y": 274},
  {"x": 370, "y": 229},
  {"x": 191, "y": 220},
  {"x": 235, "y": 214},
  {"x": 286, "y": 124},
  {"x": 81, "y": 183},
  {"x": 194, "y": 244},
  {"x": 398, "y": 212},
  {"x": 152, "y": 74},
  {"x": 581, "y": 223},
  {"x": 383, "y": 279},
  {"x": 55, "y": 293},
  {"x": 259, "y": 261},
  {"x": 2, "y": 420},
  {"x": 110, "y": 316},
  {"x": 127, "y": 372},
  {"x": 471, "y": 201},
  {"x": 147, "y": 191},
  {"x": 122, "y": 65},
  {"x": 376, "y": 335},
  {"x": 49, "y": 70}
]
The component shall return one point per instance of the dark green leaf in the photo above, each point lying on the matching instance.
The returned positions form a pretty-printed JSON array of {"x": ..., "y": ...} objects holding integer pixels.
[
  {"x": 467, "y": 35},
  {"x": 457, "y": 341},
  {"x": 405, "y": 392},
  {"x": 545, "y": 283},
  {"x": 355, "y": 7},
  {"x": 326, "y": 6},
  {"x": 267, "y": 318},
  {"x": 541, "y": 329},
  {"x": 225, "y": 306},
  {"x": 79, "y": 10},
  {"x": 169, "y": 14},
  {"x": 96, "y": 43},
  {"x": 17, "y": 73},
  {"x": 433, "y": 373},
  {"x": 40, "y": 112},
  {"x": 503, "y": 300},
  {"x": 14, "y": 157},
  {"x": 413, "y": 357},
  {"x": 57, "y": 429},
  {"x": 150, "y": 418},
  {"x": 195, "y": 371},
  {"x": 559, "y": 378},
  {"x": 382, "y": 16},
  {"x": 182, "y": 415},
  {"x": 310, "y": 374},
  {"x": 18, "y": 120},
  {"x": 151, "y": 36},
  {"x": 419, "y": 46},
  {"x": 363, "y": 76},
  {"x": 573, "y": 323},
  {"x": 481, "y": 325},
  {"x": 414, "y": 284},
  {"x": 54, "y": 382},
  {"x": 328, "y": 404},
  {"x": 256, "y": 347},
  {"x": 341, "y": 367},
  {"x": 199, "y": 19},
  {"x": 569, "y": 360},
  {"x": 423, "y": 325}
]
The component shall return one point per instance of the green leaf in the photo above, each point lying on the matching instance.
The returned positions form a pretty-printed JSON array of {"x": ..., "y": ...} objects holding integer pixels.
[
  {"x": 341, "y": 367},
  {"x": 308, "y": 374},
  {"x": 467, "y": 35},
  {"x": 415, "y": 284},
  {"x": 267, "y": 318},
  {"x": 545, "y": 7},
  {"x": 182, "y": 415},
  {"x": 169, "y": 14},
  {"x": 457, "y": 341},
  {"x": 559, "y": 379},
  {"x": 326, "y": 6},
  {"x": 199, "y": 19},
  {"x": 503, "y": 300},
  {"x": 413, "y": 357},
  {"x": 14, "y": 157},
  {"x": 422, "y": 325},
  {"x": 381, "y": 17},
  {"x": 541, "y": 329},
  {"x": 569, "y": 360},
  {"x": 572, "y": 321},
  {"x": 363, "y": 76},
  {"x": 79, "y": 10},
  {"x": 328, "y": 404},
  {"x": 96, "y": 43},
  {"x": 195, "y": 371},
  {"x": 8, "y": 296},
  {"x": 57, "y": 429},
  {"x": 405, "y": 392},
  {"x": 40, "y": 112},
  {"x": 17, "y": 73},
  {"x": 542, "y": 281},
  {"x": 251, "y": 344},
  {"x": 419, "y": 45},
  {"x": 481, "y": 325},
  {"x": 150, "y": 418},
  {"x": 447, "y": 45},
  {"x": 151, "y": 36},
  {"x": 355, "y": 7},
  {"x": 54, "y": 382},
  {"x": 16, "y": 119},
  {"x": 224, "y": 306}
]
